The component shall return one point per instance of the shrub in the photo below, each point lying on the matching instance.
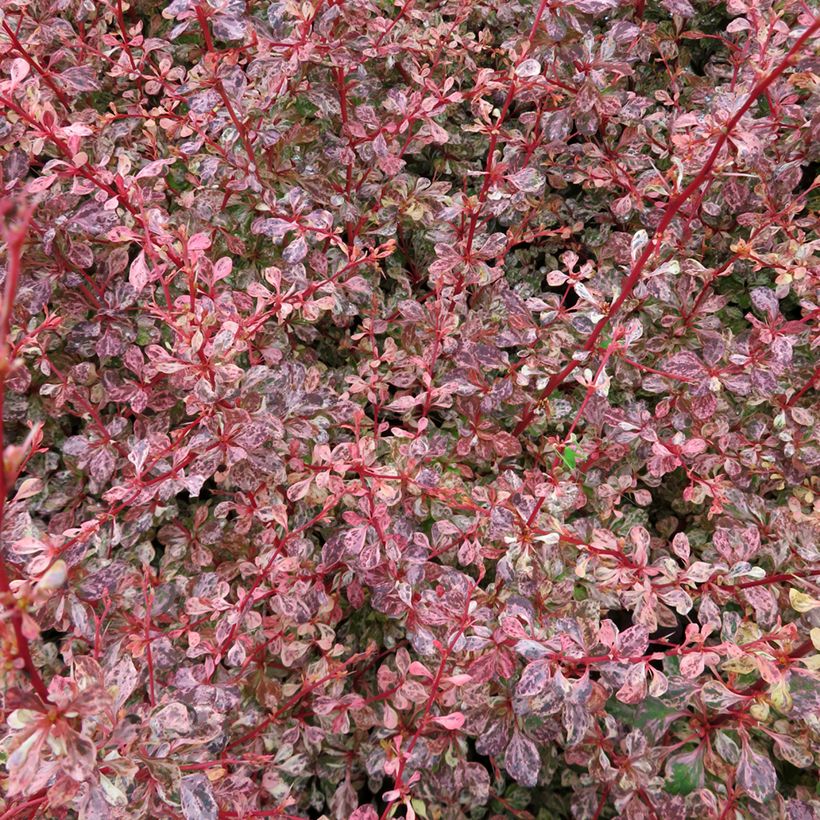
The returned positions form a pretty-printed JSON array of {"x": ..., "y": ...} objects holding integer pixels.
[{"x": 408, "y": 409}]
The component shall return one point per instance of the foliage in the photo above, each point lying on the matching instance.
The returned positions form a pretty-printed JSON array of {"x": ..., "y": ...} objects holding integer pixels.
[{"x": 408, "y": 409}]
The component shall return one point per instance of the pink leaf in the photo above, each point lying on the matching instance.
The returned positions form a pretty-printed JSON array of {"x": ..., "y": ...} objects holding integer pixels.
[
  {"x": 528, "y": 180},
  {"x": 756, "y": 775},
  {"x": 365, "y": 813},
  {"x": 153, "y": 169},
  {"x": 222, "y": 268},
  {"x": 633, "y": 642},
  {"x": 420, "y": 670},
  {"x": 355, "y": 540},
  {"x": 692, "y": 664},
  {"x": 300, "y": 489},
  {"x": 453, "y": 721},
  {"x": 404, "y": 403},
  {"x": 533, "y": 679},
  {"x": 296, "y": 251},
  {"x": 522, "y": 761},
  {"x": 685, "y": 365},
  {"x": 19, "y": 70},
  {"x": 138, "y": 274},
  {"x": 683, "y": 8},
  {"x": 634, "y": 687},
  {"x": 197, "y": 798},
  {"x": 529, "y": 68},
  {"x": 80, "y": 78},
  {"x": 199, "y": 242}
]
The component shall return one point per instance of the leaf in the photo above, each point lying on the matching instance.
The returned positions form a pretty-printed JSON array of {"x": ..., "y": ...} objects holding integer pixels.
[
  {"x": 80, "y": 78},
  {"x": 683, "y": 8},
  {"x": 685, "y": 365},
  {"x": 569, "y": 457},
  {"x": 764, "y": 602},
  {"x": 494, "y": 739},
  {"x": 639, "y": 241},
  {"x": 684, "y": 772},
  {"x": 641, "y": 539},
  {"x": 40, "y": 184},
  {"x": 594, "y": 6},
  {"x": 528, "y": 180},
  {"x": 658, "y": 683},
  {"x": 694, "y": 446},
  {"x": 756, "y": 775},
  {"x": 19, "y": 70},
  {"x": 528, "y": 68},
  {"x": 404, "y": 403},
  {"x": 419, "y": 669},
  {"x": 801, "y": 602},
  {"x": 522, "y": 761},
  {"x": 236, "y": 655},
  {"x": 506, "y": 445},
  {"x": 296, "y": 251},
  {"x": 365, "y": 813},
  {"x": 576, "y": 719},
  {"x": 80, "y": 756},
  {"x": 28, "y": 489},
  {"x": 54, "y": 577},
  {"x": 530, "y": 649},
  {"x": 453, "y": 721},
  {"x": 121, "y": 681},
  {"x": 622, "y": 207},
  {"x": 199, "y": 242},
  {"x": 634, "y": 687},
  {"x": 113, "y": 794},
  {"x": 172, "y": 720},
  {"x": 354, "y": 540},
  {"x": 651, "y": 716},
  {"x": 716, "y": 696},
  {"x": 726, "y": 747},
  {"x": 765, "y": 301},
  {"x": 692, "y": 664},
  {"x": 557, "y": 125},
  {"x": 552, "y": 698},
  {"x": 533, "y": 679},
  {"x": 222, "y": 268},
  {"x": 154, "y": 169},
  {"x": 299, "y": 489},
  {"x": 139, "y": 275},
  {"x": 197, "y": 798},
  {"x": 228, "y": 27},
  {"x": 93, "y": 219},
  {"x": 633, "y": 642}
]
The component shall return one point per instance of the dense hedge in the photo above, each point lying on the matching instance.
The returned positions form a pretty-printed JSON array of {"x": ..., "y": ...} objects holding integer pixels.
[{"x": 409, "y": 409}]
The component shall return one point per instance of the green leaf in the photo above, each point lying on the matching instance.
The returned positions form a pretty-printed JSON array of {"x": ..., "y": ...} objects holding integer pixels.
[
  {"x": 681, "y": 779},
  {"x": 652, "y": 716},
  {"x": 305, "y": 107},
  {"x": 671, "y": 665},
  {"x": 419, "y": 808},
  {"x": 684, "y": 772},
  {"x": 569, "y": 457}
]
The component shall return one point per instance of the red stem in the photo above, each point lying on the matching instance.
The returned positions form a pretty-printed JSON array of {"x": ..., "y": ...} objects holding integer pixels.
[
  {"x": 496, "y": 131},
  {"x": 669, "y": 214},
  {"x": 15, "y": 238},
  {"x": 60, "y": 94}
]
